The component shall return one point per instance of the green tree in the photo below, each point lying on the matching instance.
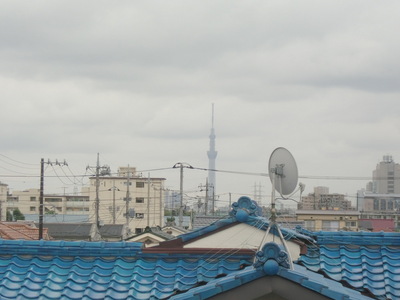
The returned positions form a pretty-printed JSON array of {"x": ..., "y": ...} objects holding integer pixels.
[{"x": 18, "y": 215}]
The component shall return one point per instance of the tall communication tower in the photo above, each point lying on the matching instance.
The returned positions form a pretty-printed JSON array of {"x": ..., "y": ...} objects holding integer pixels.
[{"x": 212, "y": 155}]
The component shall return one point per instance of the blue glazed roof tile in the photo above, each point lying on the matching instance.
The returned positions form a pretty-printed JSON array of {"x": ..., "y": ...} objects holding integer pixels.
[
  {"x": 60, "y": 275},
  {"x": 123, "y": 270},
  {"x": 369, "y": 262},
  {"x": 300, "y": 275}
]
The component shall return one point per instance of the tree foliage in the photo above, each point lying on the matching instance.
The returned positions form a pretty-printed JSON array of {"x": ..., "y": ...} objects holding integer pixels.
[{"x": 18, "y": 215}]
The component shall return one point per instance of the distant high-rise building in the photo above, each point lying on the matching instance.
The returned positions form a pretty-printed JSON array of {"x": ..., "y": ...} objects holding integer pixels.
[
  {"x": 321, "y": 199},
  {"x": 212, "y": 155},
  {"x": 386, "y": 177}
]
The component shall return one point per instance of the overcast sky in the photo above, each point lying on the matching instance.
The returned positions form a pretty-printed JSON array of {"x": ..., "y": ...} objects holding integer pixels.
[{"x": 135, "y": 82}]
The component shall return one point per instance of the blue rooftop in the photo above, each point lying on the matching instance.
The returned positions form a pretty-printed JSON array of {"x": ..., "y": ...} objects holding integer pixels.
[
  {"x": 272, "y": 261},
  {"x": 85, "y": 270},
  {"x": 367, "y": 261}
]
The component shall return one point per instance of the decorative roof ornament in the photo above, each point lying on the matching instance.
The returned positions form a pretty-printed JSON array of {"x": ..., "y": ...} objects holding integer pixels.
[
  {"x": 271, "y": 257},
  {"x": 244, "y": 208}
]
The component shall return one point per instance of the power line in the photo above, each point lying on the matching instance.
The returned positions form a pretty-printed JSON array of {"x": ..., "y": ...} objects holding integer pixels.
[{"x": 23, "y": 163}]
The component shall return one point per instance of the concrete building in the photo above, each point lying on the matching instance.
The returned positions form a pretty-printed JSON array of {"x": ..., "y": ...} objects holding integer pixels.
[
  {"x": 172, "y": 200},
  {"x": 321, "y": 199},
  {"x": 379, "y": 206},
  {"x": 381, "y": 198},
  {"x": 27, "y": 202},
  {"x": 329, "y": 220},
  {"x": 145, "y": 205},
  {"x": 386, "y": 177},
  {"x": 335, "y": 202}
]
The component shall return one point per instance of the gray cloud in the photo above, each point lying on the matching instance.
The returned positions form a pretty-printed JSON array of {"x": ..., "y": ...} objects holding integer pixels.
[{"x": 135, "y": 82}]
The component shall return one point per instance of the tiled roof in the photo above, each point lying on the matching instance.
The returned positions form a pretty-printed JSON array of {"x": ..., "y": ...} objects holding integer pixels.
[
  {"x": 121, "y": 270},
  {"x": 202, "y": 221},
  {"x": 245, "y": 211},
  {"x": 270, "y": 264},
  {"x": 18, "y": 231},
  {"x": 69, "y": 230},
  {"x": 113, "y": 231},
  {"x": 126, "y": 270},
  {"x": 368, "y": 262},
  {"x": 300, "y": 275},
  {"x": 87, "y": 270}
]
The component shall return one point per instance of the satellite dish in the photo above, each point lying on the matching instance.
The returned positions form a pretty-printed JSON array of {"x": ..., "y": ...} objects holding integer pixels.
[
  {"x": 283, "y": 174},
  {"x": 283, "y": 171}
]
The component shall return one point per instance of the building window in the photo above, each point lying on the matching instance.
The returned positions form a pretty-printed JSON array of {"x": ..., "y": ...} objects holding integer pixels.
[
  {"x": 139, "y": 216},
  {"x": 32, "y": 208},
  {"x": 139, "y": 200},
  {"x": 33, "y": 198},
  {"x": 376, "y": 204},
  {"x": 383, "y": 204},
  {"x": 351, "y": 224},
  {"x": 52, "y": 200},
  {"x": 390, "y": 205},
  {"x": 309, "y": 225},
  {"x": 330, "y": 225},
  {"x": 138, "y": 230},
  {"x": 140, "y": 184}
]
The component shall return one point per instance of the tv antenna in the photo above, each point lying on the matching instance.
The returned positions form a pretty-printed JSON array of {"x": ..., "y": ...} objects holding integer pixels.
[{"x": 283, "y": 174}]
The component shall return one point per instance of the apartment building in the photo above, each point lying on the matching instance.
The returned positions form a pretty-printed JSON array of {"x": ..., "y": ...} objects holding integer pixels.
[
  {"x": 379, "y": 206},
  {"x": 328, "y": 220},
  {"x": 321, "y": 199},
  {"x": 381, "y": 198},
  {"x": 127, "y": 198},
  {"x": 386, "y": 177},
  {"x": 27, "y": 201}
]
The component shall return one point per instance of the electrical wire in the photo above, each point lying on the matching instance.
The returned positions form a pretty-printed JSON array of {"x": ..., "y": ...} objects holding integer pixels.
[{"x": 19, "y": 162}]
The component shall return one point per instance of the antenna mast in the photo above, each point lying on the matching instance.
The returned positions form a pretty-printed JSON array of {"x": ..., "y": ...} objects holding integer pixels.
[{"x": 212, "y": 155}]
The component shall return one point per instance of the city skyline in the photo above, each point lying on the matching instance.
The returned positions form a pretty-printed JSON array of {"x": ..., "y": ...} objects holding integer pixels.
[
  {"x": 190, "y": 195},
  {"x": 135, "y": 82}
]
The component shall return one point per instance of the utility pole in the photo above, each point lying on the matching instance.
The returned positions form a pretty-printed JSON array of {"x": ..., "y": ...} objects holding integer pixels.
[
  {"x": 127, "y": 199},
  {"x": 113, "y": 189},
  {"x": 213, "y": 200},
  {"x": 41, "y": 199},
  {"x": 161, "y": 206},
  {"x": 206, "y": 204},
  {"x": 181, "y": 166},
  {"x": 181, "y": 193},
  {"x": 104, "y": 170},
  {"x": 41, "y": 192},
  {"x": 97, "y": 199},
  {"x": 148, "y": 200},
  {"x": 207, "y": 188}
]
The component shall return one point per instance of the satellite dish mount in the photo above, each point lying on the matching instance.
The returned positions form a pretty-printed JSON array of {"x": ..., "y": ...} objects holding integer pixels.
[{"x": 283, "y": 175}]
